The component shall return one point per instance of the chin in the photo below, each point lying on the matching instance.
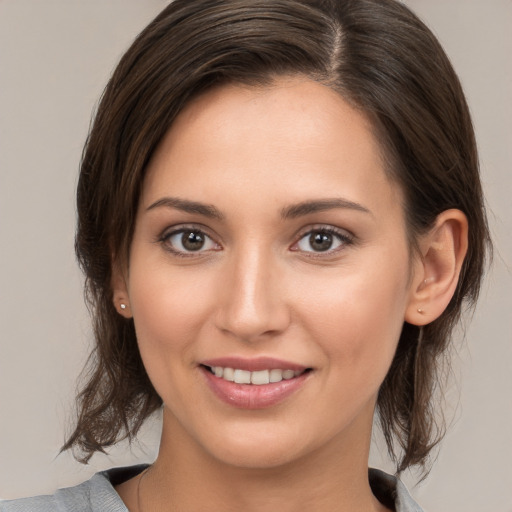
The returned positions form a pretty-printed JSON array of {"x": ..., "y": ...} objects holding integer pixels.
[
  {"x": 257, "y": 456},
  {"x": 261, "y": 446}
]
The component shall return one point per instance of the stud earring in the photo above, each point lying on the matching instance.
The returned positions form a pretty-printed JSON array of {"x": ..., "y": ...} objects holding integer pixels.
[
  {"x": 420, "y": 311},
  {"x": 122, "y": 306}
]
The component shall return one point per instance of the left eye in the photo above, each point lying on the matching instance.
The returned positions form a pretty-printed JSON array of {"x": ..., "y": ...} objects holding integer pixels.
[
  {"x": 189, "y": 240},
  {"x": 321, "y": 241}
]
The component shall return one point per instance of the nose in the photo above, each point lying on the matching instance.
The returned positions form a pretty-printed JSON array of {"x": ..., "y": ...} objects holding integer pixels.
[{"x": 252, "y": 305}]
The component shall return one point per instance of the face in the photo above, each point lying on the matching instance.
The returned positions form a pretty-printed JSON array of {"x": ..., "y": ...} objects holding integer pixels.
[{"x": 269, "y": 273}]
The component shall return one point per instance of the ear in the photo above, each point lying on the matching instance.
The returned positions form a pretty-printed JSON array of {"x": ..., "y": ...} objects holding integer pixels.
[
  {"x": 120, "y": 290},
  {"x": 436, "y": 271}
]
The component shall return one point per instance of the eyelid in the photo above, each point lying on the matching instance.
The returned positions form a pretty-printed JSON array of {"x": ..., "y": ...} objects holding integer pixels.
[
  {"x": 170, "y": 231},
  {"x": 346, "y": 237},
  {"x": 192, "y": 226}
]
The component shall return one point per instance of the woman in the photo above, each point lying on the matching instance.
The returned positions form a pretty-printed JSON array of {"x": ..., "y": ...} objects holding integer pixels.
[{"x": 280, "y": 219}]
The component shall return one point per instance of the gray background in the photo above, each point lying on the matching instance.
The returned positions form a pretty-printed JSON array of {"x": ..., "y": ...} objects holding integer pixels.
[{"x": 55, "y": 58}]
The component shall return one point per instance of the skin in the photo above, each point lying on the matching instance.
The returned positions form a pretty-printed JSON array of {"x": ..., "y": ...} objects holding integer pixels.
[{"x": 259, "y": 288}]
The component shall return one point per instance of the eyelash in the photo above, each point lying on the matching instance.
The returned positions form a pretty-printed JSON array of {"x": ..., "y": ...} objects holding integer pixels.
[
  {"x": 343, "y": 238},
  {"x": 164, "y": 239}
]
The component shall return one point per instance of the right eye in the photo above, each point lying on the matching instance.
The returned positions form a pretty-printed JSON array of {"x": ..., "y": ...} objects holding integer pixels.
[{"x": 187, "y": 241}]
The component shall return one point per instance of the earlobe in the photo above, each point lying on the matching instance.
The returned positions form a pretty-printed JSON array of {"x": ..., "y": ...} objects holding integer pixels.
[
  {"x": 437, "y": 272},
  {"x": 122, "y": 307},
  {"x": 120, "y": 292}
]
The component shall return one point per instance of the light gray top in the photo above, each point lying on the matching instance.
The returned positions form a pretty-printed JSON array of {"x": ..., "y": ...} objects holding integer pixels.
[{"x": 98, "y": 494}]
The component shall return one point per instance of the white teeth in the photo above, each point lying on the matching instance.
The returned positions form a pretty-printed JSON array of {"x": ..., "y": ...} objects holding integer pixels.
[
  {"x": 257, "y": 378},
  {"x": 242, "y": 377},
  {"x": 229, "y": 374},
  {"x": 288, "y": 374},
  {"x": 276, "y": 375}
]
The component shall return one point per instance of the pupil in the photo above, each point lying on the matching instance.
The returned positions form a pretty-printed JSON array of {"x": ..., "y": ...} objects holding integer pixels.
[
  {"x": 320, "y": 241},
  {"x": 192, "y": 241}
]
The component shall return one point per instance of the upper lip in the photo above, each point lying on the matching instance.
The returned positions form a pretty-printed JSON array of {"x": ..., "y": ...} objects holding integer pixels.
[{"x": 254, "y": 364}]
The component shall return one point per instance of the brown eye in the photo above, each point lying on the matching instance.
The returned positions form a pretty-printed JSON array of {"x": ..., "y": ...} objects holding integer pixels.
[
  {"x": 322, "y": 240},
  {"x": 186, "y": 241},
  {"x": 192, "y": 241}
]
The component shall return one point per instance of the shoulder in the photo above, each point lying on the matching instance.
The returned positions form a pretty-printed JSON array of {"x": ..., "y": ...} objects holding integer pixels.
[
  {"x": 77, "y": 498},
  {"x": 390, "y": 491},
  {"x": 94, "y": 495}
]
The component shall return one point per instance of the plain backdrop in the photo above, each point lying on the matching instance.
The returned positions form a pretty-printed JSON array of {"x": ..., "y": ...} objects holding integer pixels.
[{"x": 55, "y": 58}]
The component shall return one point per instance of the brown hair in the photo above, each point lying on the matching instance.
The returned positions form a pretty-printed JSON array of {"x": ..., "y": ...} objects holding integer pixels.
[{"x": 383, "y": 60}]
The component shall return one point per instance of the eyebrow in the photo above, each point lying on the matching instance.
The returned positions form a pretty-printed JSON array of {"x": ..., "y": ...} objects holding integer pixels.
[
  {"x": 289, "y": 212},
  {"x": 207, "y": 210},
  {"x": 320, "y": 205}
]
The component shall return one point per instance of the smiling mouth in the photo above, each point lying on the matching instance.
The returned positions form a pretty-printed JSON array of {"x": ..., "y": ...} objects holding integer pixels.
[{"x": 257, "y": 378}]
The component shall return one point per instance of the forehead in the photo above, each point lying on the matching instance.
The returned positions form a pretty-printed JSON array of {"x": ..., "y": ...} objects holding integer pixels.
[{"x": 294, "y": 132}]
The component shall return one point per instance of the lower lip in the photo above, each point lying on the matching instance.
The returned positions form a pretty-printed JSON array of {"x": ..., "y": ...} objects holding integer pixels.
[{"x": 251, "y": 396}]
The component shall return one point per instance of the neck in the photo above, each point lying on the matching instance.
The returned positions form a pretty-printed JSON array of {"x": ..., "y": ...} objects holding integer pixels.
[{"x": 185, "y": 477}]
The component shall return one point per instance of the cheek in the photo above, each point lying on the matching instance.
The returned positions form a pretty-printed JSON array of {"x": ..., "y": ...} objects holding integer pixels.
[
  {"x": 169, "y": 308},
  {"x": 166, "y": 324},
  {"x": 357, "y": 318},
  {"x": 163, "y": 312}
]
